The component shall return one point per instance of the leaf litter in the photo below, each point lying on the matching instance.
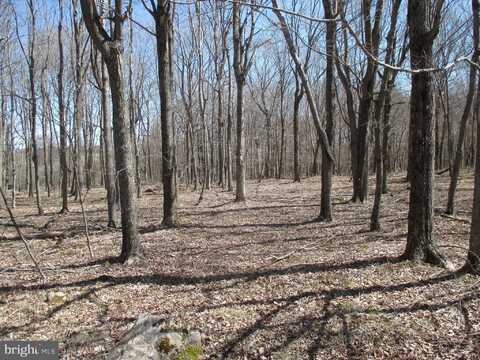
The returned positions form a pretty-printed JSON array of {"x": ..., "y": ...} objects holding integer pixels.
[{"x": 259, "y": 279}]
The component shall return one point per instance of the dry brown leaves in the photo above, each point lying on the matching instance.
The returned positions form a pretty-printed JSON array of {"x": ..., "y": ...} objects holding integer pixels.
[{"x": 259, "y": 279}]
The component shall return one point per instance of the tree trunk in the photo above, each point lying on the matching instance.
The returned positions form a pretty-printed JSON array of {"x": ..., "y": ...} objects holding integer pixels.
[
  {"x": 112, "y": 52},
  {"x": 131, "y": 242},
  {"x": 12, "y": 144},
  {"x": 163, "y": 29},
  {"x": 108, "y": 148},
  {"x": 33, "y": 104},
  {"x": 131, "y": 112},
  {"x": 327, "y": 163},
  {"x": 386, "y": 167},
  {"x": 45, "y": 119},
  {"x": 455, "y": 170},
  {"x": 240, "y": 152},
  {"x": 383, "y": 101},
  {"x": 240, "y": 68},
  {"x": 228, "y": 150},
  {"x": 420, "y": 244},
  {"x": 221, "y": 151},
  {"x": 322, "y": 135},
  {"x": 79, "y": 104},
  {"x": 472, "y": 264},
  {"x": 360, "y": 189},
  {"x": 281, "y": 160},
  {"x": 61, "y": 116},
  {"x": 296, "y": 107}
]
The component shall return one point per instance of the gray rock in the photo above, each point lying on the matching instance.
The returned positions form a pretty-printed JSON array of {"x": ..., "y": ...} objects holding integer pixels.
[{"x": 150, "y": 338}]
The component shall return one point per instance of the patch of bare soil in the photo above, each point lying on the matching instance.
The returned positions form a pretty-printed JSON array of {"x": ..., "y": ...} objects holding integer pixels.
[{"x": 260, "y": 280}]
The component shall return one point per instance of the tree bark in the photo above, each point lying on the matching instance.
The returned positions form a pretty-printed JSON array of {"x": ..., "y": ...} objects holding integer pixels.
[
  {"x": 241, "y": 64},
  {"x": 228, "y": 150},
  {"x": 305, "y": 82},
  {"x": 79, "y": 103},
  {"x": 420, "y": 244},
  {"x": 163, "y": 29},
  {"x": 327, "y": 163},
  {"x": 296, "y": 107},
  {"x": 383, "y": 101},
  {"x": 108, "y": 148},
  {"x": 61, "y": 116},
  {"x": 33, "y": 103},
  {"x": 472, "y": 264},
  {"x": 455, "y": 166},
  {"x": 372, "y": 41},
  {"x": 112, "y": 51}
]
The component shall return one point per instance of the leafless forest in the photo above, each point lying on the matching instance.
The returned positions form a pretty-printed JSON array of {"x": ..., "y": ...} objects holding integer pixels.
[{"x": 241, "y": 179}]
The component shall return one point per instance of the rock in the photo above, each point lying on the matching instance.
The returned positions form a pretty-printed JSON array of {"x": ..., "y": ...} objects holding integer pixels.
[
  {"x": 82, "y": 337},
  {"x": 150, "y": 338},
  {"x": 56, "y": 298}
]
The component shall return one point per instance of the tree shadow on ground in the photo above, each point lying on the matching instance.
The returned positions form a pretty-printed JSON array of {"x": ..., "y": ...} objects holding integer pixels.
[
  {"x": 313, "y": 327},
  {"x": 172, "y": 280}
]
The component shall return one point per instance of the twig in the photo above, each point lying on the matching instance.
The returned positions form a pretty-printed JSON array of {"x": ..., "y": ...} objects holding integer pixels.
[
  {"x": 27, "y": 247},
  {"x": 287, "y": 255},
  {"x": 466, "y": 221}
]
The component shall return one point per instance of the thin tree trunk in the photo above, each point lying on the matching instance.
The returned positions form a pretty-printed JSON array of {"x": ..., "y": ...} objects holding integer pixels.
[
  {"x": 228, "y": 149},
  {"x": 240, "y": 65},
  {"x": 163, "y": 29},
  {"x": 33, "y": 103},
  {"x": 386, "y": 138},
  {"x": 296, "y": 107},
  {"x": 45, "y": 117},
  {"x": 61, "y": 116},
  {"x": 240, "y": 150},
  {"x": 455, "y": 170},
  {"x": 12, "y": 144},
  {"x": 108, "y": 146},
  {"x": 327, "y": 163},
  {"x": 131, "y": 105},
  {"x": 472, "y": 264},
  {"x": 112, "y": 52},
  {"x": 79, "y": 103}
]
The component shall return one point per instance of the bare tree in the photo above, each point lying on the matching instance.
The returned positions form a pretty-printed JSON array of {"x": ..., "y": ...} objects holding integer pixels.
[
  {"x": 420, "y": 244},
  {"x": 327, "y": 163},
  {"x": 161, "y": 10},
  {"x": 110, "y": 45},
  {"x": 321, "y": 132},
  {"x": 61, "y": 114},
  {"x": 380, "y": 104},
  {"x": 100, "y": 73},
  {"x": 455, "y": 171},
  {"x": 298, "y": 96},
  {"x": 30, "y": 59},
  {"x": 220, "y": 34},
  {"x": 80, "y": 69},
  {"x": 473, "y": 258},
  {"x": 243, "y": 54}
]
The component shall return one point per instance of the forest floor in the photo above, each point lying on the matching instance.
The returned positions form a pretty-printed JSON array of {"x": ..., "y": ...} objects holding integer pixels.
[{"x": 259, "y": 279}]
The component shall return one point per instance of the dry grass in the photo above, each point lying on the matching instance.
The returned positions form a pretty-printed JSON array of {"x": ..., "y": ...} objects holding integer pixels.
[{"x": 259, "y": 279}]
